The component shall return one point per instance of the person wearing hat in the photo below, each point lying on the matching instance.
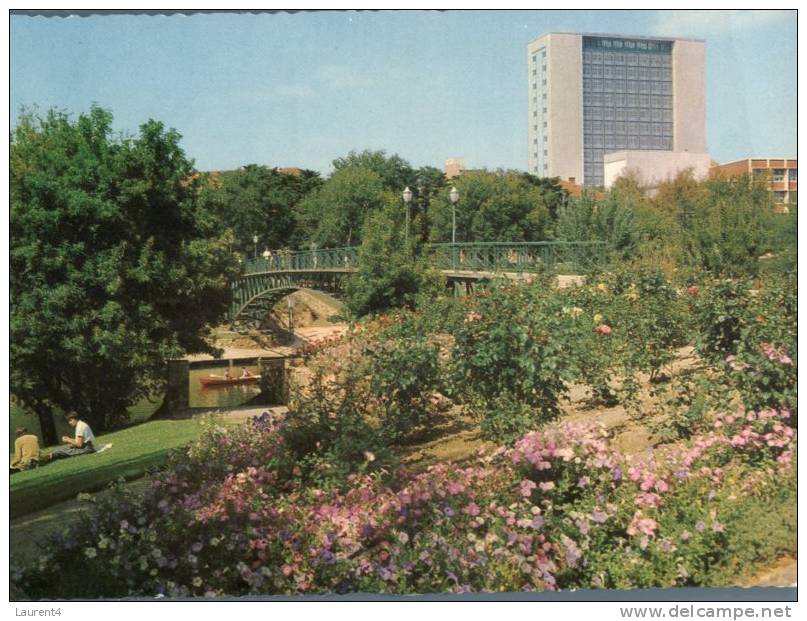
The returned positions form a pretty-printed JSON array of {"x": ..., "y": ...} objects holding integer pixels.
[
  {"x": 26, "y": 451},
  {"x": 81, "y": 444}
]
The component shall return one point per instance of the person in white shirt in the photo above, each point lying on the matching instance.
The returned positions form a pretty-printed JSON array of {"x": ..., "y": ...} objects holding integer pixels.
[{"x": 80, "y": 445}]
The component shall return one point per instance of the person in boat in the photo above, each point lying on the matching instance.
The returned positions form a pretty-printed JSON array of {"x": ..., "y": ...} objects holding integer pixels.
[
  {"x": 26, "y": 451},
  {"x": 244, "y": 373},
  {"x": 81, "y": 444},
  {"x": 227, "y": 375}
]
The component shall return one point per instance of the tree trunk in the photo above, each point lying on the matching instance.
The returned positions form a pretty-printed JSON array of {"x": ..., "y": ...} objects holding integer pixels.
[{"x": 47, "y": 427}]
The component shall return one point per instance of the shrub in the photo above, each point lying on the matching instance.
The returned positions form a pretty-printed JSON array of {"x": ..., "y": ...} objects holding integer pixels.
[
  {"x": 720, "y": 308},
  {"x": 509, "y": 352}
]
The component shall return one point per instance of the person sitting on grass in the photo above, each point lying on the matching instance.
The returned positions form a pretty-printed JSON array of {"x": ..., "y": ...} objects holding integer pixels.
[
  {"x": 81, "y": 444},
  {"x": 26, "y": 451}
]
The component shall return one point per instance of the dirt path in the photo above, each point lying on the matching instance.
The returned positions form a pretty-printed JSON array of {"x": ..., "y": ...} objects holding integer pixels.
[{"x": 302, "y": 335}]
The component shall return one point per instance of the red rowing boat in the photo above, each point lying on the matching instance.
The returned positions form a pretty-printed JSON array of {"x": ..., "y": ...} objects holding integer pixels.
[{"x": 218, "y": 380}]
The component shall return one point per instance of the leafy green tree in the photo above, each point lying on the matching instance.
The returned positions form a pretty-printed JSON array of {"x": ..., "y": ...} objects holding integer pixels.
[
  {"x": 586, "y": 219},
  {"x": 257, "y": 200},
  {"x": 333, "y": 215},
  {"x": 395, "y": 172},
  {"x": 555, "y": 195},
  {"x": 492, "y": 206},
  {"x": 114, "y": 267},
  {"x": 730, "y": 227},
  {"x": 388, "y": 274}
]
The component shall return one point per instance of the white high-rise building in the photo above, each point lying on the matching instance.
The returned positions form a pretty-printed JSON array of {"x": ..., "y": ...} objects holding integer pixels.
[{"x": 593, "y": 94}]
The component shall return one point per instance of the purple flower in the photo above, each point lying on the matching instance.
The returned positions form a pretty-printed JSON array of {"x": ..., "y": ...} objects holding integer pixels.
[
  {"x": 328, "y": 557},
  {"x": 197, "y": 547},
  {"x": 616, "y": 473},
  {"x": 599, "y": 516},
  {"x": 700, "y": 525},
  {"x": 538, "y": 522}
]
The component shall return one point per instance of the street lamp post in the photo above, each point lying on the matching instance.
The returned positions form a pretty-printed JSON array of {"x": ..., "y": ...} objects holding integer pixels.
[
  {"x": 255, "y": 246},
  {"x": 453, "y": 196},
  {"x": 407, "y": 198}
]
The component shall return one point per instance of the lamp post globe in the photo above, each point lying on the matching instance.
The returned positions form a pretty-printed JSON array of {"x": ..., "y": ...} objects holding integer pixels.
[
  {"x": 453, "y": 196},
  {"x": 255, "y": 246},
  {"x": 407, "y": 198}
]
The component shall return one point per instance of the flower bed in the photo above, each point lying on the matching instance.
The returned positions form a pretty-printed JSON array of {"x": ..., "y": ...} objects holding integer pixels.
[{"x": 561, "y": 509}]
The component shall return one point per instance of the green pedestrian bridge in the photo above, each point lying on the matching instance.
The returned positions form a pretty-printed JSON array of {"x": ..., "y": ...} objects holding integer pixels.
[{"x": 266, "y": 280}]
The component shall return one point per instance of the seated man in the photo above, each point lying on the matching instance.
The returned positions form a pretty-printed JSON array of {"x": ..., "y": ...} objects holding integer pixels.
[
  {"x": 245, "y": 374},
  {"x": 81, "y": 444},
  {"x": 26, "y": 451}
]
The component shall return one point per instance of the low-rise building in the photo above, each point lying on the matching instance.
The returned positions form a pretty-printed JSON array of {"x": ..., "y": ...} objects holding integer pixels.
[
  {"x": 655, "y": 167},
  {"x": 781, "y": 175},
  {"x": 454, "y": 167}
]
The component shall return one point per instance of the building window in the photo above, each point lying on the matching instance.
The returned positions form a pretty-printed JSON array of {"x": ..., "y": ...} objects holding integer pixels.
[
  {"x": 778, "y": 175},
  {"x": 779, "y": 197},
  {"x": 792, "y": 175}
]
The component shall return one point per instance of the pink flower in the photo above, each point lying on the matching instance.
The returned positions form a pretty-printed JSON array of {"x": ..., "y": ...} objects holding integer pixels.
[
  {"x": 603, "y": 329},
  {"x": 526, "y": 488},
  {"x": 641, "y": 524},
  {"x": 455, "y": 488},
  {"x": 693, "y": 290},
  {"x": 547, "y": 486},
  {"x": 472, "y": 509}
]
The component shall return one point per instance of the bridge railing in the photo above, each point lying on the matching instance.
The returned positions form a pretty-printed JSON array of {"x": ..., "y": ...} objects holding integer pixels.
[
  {"x": 320, "y": 259},
  {"x": 479, "y": 257}
]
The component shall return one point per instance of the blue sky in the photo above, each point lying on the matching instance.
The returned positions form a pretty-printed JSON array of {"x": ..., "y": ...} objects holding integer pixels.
[{"x": 303, "y": 89}]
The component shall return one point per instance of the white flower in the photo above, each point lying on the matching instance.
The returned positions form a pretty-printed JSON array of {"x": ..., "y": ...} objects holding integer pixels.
[{"x": 90, "y": 552}]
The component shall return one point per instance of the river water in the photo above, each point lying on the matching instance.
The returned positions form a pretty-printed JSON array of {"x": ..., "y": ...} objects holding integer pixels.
[{"x": 220, "y": 396}]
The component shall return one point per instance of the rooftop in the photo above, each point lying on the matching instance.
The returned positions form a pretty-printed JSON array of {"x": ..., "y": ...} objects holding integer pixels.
[{"x": 622, "y": 36}]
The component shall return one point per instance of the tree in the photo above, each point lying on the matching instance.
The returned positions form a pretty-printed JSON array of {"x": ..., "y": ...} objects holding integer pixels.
[
  {"x": 388, "y": 274},
  {"x": 730, "y": 227},
  {"x": 395, "y": 172},
  {"x": 585, "y": 219},
  {"x": 500, "y": 206},
  {"x": 333, "y": 215},
  {"x": 257, "y": 200},
  {"x": 114, "y": 266},
  {"x": 555, "y": 195}
]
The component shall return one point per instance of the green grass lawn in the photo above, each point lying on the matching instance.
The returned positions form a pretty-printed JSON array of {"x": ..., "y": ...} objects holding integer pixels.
[{"x": 134, "y": 450}]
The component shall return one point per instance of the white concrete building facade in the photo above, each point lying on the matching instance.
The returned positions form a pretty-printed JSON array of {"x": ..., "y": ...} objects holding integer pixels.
[
  {"x": 593, "y": 94},
  {"x": 654, "y": 167}
]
